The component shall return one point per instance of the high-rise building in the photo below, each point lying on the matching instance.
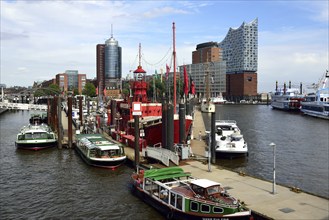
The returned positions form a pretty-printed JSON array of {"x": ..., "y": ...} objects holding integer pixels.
[
  {"x": 206, "y": 59},
  {"x": 240, "y": 51},
  {"x": 206, "y": 52},
  {"x": 240, "y": 48},
  {"x": 109, "y": 65}
]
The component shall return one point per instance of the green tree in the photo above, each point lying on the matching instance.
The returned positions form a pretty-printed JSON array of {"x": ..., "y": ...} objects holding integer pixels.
[
  {"x": 89, "y": 90},
  {"x": 76, "y": 91}
]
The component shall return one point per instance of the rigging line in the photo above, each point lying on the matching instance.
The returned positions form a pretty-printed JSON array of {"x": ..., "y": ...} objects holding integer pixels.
[{"x": 159, "y": 60}]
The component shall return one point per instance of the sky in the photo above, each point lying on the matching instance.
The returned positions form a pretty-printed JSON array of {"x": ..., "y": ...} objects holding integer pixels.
[{"x": 40, "y": 39}]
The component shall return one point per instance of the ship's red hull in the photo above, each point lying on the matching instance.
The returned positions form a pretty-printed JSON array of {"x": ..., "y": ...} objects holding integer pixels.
[{"x": 153, "y": 134}]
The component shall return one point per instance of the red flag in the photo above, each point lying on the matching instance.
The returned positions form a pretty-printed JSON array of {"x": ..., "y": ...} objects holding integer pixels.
[
  {"x": 185, "y": 81},
  {"x": 192, "y": 87},
  {"x": 168, "y": 70},
  {"x": 97, "y": 90}
]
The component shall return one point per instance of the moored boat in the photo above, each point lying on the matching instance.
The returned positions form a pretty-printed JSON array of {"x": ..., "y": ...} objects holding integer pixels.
[
  {"x": 288, "y": 99},
  {"x": 35, "y": 137},
  {"x": 229, "y": 140},
  {"x": 98, "y": 151},
  {"x": 178, "y": 195},
  {"x": 317, "y": 105},
  {"x": 218, "y": 99},
  {"x": 150, "y": 118},
  {"x": 207, "y": 106}
]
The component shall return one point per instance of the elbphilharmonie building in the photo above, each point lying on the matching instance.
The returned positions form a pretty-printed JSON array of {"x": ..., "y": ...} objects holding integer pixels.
[{"x": 240, "y": 48}]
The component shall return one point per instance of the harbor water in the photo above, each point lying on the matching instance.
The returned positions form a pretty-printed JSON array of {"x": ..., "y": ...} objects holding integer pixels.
[
  {"x": 302, "y": 146},
  {"x": 57, "y": 184}
]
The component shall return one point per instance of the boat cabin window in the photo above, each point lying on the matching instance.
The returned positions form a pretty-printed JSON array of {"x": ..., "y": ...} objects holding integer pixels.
[
  {"x": 217, "y": 209},
  {"x": 92, "y": 153},
  {"x": 173, "y": 199},
  {"x": 179, "y": 202},
  {"x": 164, "y": 194},
  {"x": 236, "y": 138},
  {"x": 213, "y": 190},
  {"x": 21, "y": 137},
  {"x": 194, "y": 206},
  {"x": 205, "y": 208},
  {"x": 198, "y": 190}
]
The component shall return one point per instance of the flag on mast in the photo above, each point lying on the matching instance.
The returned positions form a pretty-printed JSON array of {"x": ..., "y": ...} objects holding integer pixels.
[
  {"x": 167, "y": 72},
  {"x": 192, "y": 86}
]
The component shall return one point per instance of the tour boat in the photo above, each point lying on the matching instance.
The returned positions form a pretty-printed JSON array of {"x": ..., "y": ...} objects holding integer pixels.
[
  {"x": 35, "y": 137},
  {"x": 178, "y": 195},
  {"x": 229, "y": 140},
  {"x": 317, "y": 104},
  {"x": 287, "y": 98},
  {"x": 98, "y": 151},
  {"x": 39, "y": 118}
]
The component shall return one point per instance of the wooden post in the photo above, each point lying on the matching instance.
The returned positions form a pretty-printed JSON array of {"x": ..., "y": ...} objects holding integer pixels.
[
  {"x": 69, "y": 120},
  {"x": 80, "y": 111},
  {"x": 60, "y": 127},
  {"x": 213, "y": 138},
  {"x": 48, "y": 111}
]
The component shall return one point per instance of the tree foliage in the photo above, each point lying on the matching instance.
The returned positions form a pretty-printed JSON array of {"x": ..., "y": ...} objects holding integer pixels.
[
  {"x": 51, "y": 90},
  {"x": 89, "y": 90}
]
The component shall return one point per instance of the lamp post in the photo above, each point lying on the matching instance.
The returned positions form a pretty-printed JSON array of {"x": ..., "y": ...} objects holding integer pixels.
[{"x": 273, "y": 190}]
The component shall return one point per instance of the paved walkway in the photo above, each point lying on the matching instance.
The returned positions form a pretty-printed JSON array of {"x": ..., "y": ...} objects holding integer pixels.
[{"x": 256, "y": 193}]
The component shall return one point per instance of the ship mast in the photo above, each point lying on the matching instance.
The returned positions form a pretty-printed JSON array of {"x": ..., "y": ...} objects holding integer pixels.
[{"x": 174, "y": 55}]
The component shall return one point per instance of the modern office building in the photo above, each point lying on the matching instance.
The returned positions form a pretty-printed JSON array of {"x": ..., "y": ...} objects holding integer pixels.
[
  {"x": 240, "y": 51},
  {"x": 199, "y": 71},
  {"x": 70, "y": 80},
  {"x": 207, "y": 59},
  {"x": 109, "y": 65}
]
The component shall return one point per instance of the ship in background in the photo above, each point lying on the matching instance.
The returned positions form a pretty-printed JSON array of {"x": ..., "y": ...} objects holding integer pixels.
[
  {"x": 288, "y": 99},
  {"x": 317, "y": 104}
]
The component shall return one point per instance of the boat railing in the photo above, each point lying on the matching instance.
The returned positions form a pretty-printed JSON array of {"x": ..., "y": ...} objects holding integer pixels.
[{"x": 226, "y": 121}]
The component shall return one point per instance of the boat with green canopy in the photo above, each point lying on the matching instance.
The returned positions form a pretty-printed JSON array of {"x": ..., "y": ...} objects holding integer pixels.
[{"x": 178, "y": 195}]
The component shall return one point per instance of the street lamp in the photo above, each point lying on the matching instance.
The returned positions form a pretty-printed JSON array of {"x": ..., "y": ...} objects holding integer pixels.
[{"x": 273, "y": 145}]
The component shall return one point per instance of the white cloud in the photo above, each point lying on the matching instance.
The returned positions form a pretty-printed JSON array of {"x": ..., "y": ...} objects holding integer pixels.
[{"x": 49, "y": 37}]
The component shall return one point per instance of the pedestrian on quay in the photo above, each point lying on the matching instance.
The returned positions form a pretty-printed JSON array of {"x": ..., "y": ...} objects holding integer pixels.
[{"x": 199, "y": 135}]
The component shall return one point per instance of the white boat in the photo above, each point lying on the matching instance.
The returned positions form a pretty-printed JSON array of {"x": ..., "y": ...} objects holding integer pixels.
[
  {"x": 35, "y": 137},
  {"x": 98, "y": 151},
  {"x": 229, "y": 140},
  {"x": 207, "y": 106},
  {"x": 218, "y": 100},
  {"x": 317, "y": 104},
  {"x": 287, "y": 98}
]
